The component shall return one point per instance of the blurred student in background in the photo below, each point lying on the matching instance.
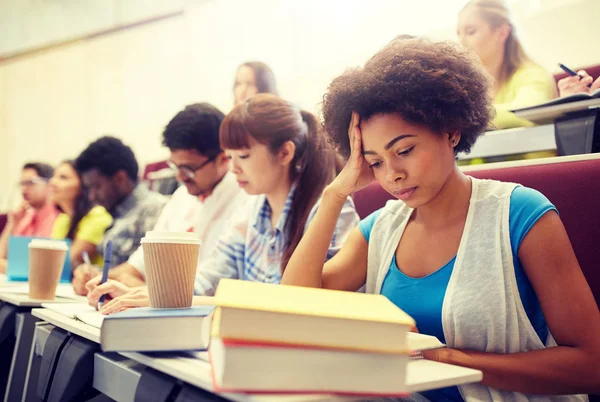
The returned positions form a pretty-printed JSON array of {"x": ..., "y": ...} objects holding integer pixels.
[
  {"x": 109, "y": 170},
  {"x": 253, "y": 77},
  {"x": 578, "y": 84},
  {"x": 209, "y": 196},
  {"x": 281, "y": 155},
  {"x": 485, "y": 27},
  {"x": 80, "y": 221},
  {"x": 36, "y": 214}
]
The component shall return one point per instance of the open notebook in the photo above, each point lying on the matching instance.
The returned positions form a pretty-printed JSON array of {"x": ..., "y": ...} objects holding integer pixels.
[
  {"x": 549, "y": 112},
  {"x": 81, "y": 312},
  {"x": 560, "y": 101}
]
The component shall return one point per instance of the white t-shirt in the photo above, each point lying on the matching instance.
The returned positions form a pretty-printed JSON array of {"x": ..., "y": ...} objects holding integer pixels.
[{"x": 208, "y": 218}]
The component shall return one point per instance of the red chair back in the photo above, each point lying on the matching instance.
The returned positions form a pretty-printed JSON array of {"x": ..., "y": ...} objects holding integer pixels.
[{"x": 3, "y": 219}]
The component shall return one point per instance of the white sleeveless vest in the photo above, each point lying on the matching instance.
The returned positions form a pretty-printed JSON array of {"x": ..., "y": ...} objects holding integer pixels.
[{"x": 482, "y": 309}]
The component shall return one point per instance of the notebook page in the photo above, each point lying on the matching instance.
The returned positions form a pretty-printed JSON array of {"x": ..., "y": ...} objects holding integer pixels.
[
  {"x": 93, "y": 318},
  {"x": 69, "y": 309}
]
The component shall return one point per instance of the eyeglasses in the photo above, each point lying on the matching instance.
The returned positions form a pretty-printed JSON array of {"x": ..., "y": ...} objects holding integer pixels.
[
  {"x": 32, "y": 182},
  {"x": 188, "y": 171}
]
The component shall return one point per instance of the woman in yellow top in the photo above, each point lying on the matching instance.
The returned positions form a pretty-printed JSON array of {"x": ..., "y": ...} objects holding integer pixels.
[
  {"x": 80, "y": 221},
  {"x": 485, "y": 27}
]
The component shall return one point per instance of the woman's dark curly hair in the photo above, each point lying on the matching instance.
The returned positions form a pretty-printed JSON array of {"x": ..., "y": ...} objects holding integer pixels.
[{"x": 435, "y": 84}]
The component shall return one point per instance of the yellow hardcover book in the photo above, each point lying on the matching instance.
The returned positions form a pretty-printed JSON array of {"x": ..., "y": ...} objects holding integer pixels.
[
  {"x": 259, "y": 312},
  {"x": 309, "y": 301}
]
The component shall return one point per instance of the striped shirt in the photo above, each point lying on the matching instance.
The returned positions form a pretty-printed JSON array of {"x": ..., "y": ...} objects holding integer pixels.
[{"x": 252, "y": 248}]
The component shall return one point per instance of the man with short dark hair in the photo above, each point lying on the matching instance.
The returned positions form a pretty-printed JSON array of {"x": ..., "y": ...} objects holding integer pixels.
[
  {"x": 36, "y": 215},
  {"x": 109, "y": 170},
  {"x": 210, "y": 195}
]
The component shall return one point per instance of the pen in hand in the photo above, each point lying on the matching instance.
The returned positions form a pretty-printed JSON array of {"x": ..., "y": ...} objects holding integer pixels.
[
  {"x": 86, "y": 258},
  {"x": 107, "y": 256},
  {"x": 572, "y": 73}
]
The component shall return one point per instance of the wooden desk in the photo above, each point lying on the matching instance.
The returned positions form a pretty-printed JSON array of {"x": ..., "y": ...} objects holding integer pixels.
[
  {"x": 548, "y": 114},
  {"x": 15, "y": 293},
  {"x": 422, "y": 374},
  {"x": 513, "y": 141}
]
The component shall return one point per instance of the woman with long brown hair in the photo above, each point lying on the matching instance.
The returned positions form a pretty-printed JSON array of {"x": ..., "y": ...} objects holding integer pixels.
[
  {"x": 252, "y": 78},
  {"x": 486, "y": 28},
  {"x": 80, "y": 220},
  {"x": 281, "y": 155}
]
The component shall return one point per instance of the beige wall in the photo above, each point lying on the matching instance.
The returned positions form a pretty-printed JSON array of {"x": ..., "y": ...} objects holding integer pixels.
[{"x": 131, "y": 83}]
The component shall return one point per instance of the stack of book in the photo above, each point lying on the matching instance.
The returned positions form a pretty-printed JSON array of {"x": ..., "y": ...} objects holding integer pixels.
[
  {"x": 283, "y": 339},
  {"x": 286, "y": 339}
]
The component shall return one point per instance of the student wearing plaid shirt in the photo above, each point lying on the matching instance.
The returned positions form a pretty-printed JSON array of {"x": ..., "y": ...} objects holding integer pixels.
[
  {"x": 280, "y": 155},
  {"x": 252, "y": 249}
]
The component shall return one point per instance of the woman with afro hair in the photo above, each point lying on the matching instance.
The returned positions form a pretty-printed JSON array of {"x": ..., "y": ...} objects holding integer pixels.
[{"x": 483, "y": 265}]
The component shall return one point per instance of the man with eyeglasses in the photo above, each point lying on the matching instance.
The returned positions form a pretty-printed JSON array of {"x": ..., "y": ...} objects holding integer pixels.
[
  {"x": 36, "y": 215},
  {"x": 209, "y": 196}
]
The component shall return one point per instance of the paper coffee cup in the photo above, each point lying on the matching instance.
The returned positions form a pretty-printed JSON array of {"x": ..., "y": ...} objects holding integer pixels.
[
  {"x": 46, "y": 261},
  {"x": 170, "y": 259}
]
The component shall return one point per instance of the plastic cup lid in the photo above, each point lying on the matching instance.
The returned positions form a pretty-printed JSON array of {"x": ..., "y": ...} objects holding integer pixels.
[{"x": 49, "y": 244}]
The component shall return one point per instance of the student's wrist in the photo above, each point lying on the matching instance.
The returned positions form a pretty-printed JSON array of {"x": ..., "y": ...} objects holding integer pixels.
[
  {"x": 449, "y": 356},
  {"x": 334, "y": 194}
]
